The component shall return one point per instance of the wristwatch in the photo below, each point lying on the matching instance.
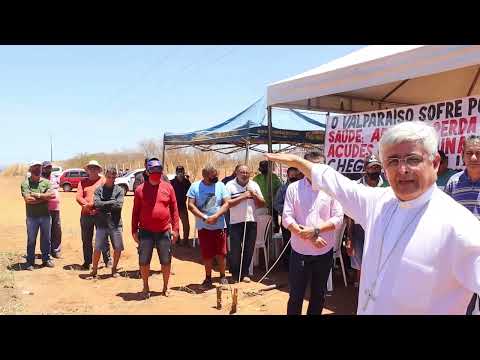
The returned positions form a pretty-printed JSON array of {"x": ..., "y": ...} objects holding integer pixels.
[
  {"x": 316, "y": 232},
  {"x": 204, "y": 217}
]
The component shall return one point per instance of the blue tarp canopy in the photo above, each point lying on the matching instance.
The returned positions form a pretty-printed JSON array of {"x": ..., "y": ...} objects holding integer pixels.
[{"x": 249, "y": 127}]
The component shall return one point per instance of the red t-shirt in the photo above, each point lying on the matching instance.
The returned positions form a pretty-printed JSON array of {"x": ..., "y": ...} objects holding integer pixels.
[{"x": 155, "y": 208}]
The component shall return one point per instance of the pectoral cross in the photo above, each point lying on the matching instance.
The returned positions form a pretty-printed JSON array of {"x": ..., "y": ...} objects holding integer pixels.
[{"x": 370, "y": 295}]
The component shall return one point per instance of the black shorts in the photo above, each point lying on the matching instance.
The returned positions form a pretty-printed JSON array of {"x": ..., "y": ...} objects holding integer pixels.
[{"x": 159, "y": 240}]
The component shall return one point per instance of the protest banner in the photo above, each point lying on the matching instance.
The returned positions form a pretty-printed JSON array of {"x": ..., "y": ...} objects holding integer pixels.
[{"x": 351, "y": 137}]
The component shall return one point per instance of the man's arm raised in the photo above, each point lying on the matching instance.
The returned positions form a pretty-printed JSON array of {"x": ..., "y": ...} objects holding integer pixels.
[
  {"x": 291, "y": 160},
  {"x": 357, "y": 200}
]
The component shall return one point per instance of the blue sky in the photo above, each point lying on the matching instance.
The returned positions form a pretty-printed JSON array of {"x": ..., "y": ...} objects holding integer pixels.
[{"x": 106, "y": 98}]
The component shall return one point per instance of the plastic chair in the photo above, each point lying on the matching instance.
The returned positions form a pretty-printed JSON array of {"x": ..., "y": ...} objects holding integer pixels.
[
  {"x": 263, "y": 232},
  {"x": 337, "y": 254}
]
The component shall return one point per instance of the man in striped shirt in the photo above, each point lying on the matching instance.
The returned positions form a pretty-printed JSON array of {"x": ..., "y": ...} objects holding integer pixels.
[{"x": 464, "y": 187}]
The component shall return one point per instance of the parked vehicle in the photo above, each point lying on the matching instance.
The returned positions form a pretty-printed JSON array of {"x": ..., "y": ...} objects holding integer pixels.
[
  {"x": 127, "y": 182},
  {"x": 71, "y": 177},
  {"x": 57, "y": 172}
]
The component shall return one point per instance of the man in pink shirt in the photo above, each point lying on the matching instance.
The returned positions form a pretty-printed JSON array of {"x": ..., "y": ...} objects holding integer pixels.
[
  {"x": 54, "y": 210},
  {"x": 312, "y": 217}
]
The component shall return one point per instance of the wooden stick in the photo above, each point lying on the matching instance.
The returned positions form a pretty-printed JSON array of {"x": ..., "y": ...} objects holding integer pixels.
[
  {"x": 268, "y": 288},
  {"x": 234, "y": 301},
  {"x": 271, "y": 287},
  {"x": 219, "y": 298}
]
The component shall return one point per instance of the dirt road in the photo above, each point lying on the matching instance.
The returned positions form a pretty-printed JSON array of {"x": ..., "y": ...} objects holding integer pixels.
[{"x": 65, "y": 289}]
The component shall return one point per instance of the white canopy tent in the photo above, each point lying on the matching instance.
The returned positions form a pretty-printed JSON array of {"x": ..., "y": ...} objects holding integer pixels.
[{"x": 379, "y": 77}]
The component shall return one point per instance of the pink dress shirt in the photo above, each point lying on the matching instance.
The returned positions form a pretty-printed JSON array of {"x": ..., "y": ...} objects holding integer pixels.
[{"x": 307, "y": 207}]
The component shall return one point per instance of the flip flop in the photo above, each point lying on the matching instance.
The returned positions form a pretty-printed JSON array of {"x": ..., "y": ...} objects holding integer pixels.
[
  {"x": 92, "y": 276},
  {"x": 166, "y": 293}
]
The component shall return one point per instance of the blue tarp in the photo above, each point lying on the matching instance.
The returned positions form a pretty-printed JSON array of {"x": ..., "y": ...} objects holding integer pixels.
[{"x": 291, "y": 127}]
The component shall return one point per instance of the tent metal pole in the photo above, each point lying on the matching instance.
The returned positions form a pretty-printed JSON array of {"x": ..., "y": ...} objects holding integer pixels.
[
  {"x": 270, "y": 177},
  {"x": 163, "y": 150},
  {"x": 247, "y": 152},
  {"x": 281, "y": 169}
]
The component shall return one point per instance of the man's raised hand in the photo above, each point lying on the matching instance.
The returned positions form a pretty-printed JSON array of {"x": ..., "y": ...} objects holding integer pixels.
[{"x": 287, "y": 159}]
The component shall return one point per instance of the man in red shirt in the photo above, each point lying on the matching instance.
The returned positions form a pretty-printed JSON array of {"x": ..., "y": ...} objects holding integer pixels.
[{"x": 155, "y": 223}]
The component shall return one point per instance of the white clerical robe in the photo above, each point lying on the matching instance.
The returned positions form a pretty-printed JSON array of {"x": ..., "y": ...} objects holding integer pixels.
[{"x": 434, "y": 267}]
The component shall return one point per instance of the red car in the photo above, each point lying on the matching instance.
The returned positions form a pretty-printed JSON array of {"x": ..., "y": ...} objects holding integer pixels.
[{"x": 71, "y": 177}]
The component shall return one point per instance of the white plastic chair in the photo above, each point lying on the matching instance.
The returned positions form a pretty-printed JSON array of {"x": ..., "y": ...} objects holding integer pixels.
[
  {"x": 263, "y": 232},
  {"x": 337, "y": 254}
]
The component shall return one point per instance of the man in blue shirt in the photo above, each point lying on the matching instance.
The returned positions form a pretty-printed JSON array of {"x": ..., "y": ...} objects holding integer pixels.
[
  {"x": 207, "y": 200},
  {"x": 464, "y": 187}
]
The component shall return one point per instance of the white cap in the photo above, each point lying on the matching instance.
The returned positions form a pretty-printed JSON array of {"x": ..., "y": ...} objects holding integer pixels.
[{"x": 34, "y": 163}]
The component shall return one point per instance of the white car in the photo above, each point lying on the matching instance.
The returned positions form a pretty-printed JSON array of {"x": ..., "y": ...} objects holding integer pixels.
[
  {"x": 57, "y": 171},
  {"x": 127, "y": 181}
]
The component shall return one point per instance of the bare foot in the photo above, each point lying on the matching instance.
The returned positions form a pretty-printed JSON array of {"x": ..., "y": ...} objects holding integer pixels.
[
  {"x": 92, "y": 276},
  {"x": 115, "y": 274},
  {"x": 166, "y": 292}
]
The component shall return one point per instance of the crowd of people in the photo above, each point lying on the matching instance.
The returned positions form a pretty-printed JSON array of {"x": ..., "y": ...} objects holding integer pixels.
[{"x": 414, "y": 248}]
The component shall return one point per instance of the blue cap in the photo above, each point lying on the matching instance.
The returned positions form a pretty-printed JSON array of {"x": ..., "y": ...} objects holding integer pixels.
[{"x": 152, "y": 164}]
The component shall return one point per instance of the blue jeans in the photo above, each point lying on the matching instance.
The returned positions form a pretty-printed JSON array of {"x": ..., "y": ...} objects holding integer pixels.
[
  {"x": 159, "y": 240},
  {"x": 55, "y": 232},
  {"x": 88, "y": 224},
  {"x": 305, "y": 269},
  {"x": 236, "y": 239},
  {"x": 33, "y": 224}
]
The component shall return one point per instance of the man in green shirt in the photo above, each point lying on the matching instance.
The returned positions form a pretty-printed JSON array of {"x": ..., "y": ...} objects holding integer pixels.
[
  {"x": 262, "y": 181},
  {"x": 36, "y": 192},
  {"x": 443, "y": 172}
]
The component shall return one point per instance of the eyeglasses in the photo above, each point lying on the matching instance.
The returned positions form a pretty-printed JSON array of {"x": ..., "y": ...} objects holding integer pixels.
[
  {"x": 471, "y": 153},
  {"x": 411, "y": 161}
]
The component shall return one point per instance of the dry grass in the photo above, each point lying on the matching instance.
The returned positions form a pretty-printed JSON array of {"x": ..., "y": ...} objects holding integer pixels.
[
  {"x": 192, "y": 159},
  {"x": 15, "y": 170},
  {"x": 122, "y": 160}
]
